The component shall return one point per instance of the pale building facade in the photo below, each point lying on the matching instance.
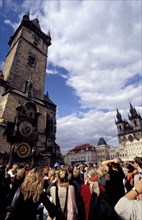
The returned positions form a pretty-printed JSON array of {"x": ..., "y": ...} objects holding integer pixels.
[
  {"x": 87, "y": 153},
  {"x": 80, "y": 154},
  {"x": 129, "y": 137},
  {"x": 134, "y": 148}
]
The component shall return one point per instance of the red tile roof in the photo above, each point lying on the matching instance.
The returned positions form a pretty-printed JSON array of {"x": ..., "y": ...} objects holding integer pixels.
[{"x": 87, "y": 147}]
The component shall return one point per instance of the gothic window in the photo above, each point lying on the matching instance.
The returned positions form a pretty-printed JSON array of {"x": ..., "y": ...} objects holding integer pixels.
[
  {"x": 31, "y": 114},
  {"x": 23, "y": 111},
  {"x": 47, "y": 123},
  {"x": 51, "y": 126},
  {"x": 120, "y": 128},
  {"x": 30, "y": 109},
  {"x": 135, "y": 123},
  {"x": 31, "y": 61}
]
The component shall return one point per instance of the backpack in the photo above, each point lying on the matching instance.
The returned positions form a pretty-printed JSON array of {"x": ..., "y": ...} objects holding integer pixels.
[{"x": 101, "y": 209}]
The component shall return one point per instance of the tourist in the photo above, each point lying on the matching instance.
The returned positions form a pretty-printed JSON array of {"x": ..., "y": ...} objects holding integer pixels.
[
  {"x": 91, "y": 185},
  {"x": 77, "y": 183},
  {"x": 28, "y": 197},
  {"x": 128, "y": 207},
  {"x": 114, "y": 186},
  {"x": 63, "y": 196},
  {"x": 4, "y": 191}
]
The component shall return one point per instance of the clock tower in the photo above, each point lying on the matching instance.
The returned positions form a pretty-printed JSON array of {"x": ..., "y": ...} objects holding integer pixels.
[{"x": 27, "y": 115}]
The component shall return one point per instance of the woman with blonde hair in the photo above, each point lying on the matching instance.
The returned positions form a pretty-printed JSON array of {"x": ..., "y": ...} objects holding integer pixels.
[
  {"x": 50, "y": 180},
  {"x": 63, "y": 195},
  {"x": 28, "y": 197},
  {"x": 97, "y": 204},
  {"x": 91, "y": 185}
]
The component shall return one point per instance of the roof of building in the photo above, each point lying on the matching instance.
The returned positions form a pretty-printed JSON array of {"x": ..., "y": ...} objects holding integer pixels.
[
  {"x": 86, "y": 147},
  {"x": 102, "y": 141},
  {"x": 36, "y": 23}
]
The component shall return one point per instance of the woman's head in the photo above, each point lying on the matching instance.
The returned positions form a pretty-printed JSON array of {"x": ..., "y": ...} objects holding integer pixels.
[
  {"x": 138, "y": 162},
  {"x": 92, "y": 180},
  {"x": 20, "y": 173},
  {"x": 91, "y": 174},
  {"x": 76, "y": 172},
  {"x": 32, "y": 187},
  {"x": 63, "y": 178}
]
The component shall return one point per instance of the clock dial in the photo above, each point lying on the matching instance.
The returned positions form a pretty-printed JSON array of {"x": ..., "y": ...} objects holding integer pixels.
[
  {"x": 36, "y": 39},
  {"x": 26, "y": 128},
  {"x": 23, "y": 150},
  {"x": 130, "y": 138}
]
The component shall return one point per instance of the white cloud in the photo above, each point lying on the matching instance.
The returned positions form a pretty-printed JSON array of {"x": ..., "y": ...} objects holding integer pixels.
[
  {"x": 98, "y": 43},
  {"x": 74, "y": 130}
]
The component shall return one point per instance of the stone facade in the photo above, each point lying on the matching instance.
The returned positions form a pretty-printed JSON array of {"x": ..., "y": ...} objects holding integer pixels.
[
  {"x": 27, "y": 115},
  {"x": 129, "y": 130}
]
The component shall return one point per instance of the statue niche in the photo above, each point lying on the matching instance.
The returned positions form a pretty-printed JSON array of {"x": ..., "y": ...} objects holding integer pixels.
[{"x": 29, "y": 87}]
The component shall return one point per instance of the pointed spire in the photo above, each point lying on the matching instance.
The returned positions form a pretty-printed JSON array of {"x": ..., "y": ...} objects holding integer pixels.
[
  {"x": 102, "y": 141},
  {"x": 26, "y": 16},
  {"x": 133, "y": 112},
  {"x": 131, "y": 107},
  {"x": 47, "y": 95},
  {"x": 36, "y": 23},
  {"x": 49, "y": 33},
  {"x": 119, "y": 117}
]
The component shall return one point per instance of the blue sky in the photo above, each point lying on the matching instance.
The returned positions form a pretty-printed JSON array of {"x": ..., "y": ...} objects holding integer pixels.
[{"x": 94, "y": 62}]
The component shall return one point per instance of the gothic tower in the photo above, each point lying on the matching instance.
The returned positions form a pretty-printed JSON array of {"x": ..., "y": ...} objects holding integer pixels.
[
  {"x": 27, "y": 116},
  {"x": 129, "y": 131}
]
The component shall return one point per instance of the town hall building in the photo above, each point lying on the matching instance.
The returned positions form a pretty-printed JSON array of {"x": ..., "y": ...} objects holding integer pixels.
[{"x": 27, "y": 115}]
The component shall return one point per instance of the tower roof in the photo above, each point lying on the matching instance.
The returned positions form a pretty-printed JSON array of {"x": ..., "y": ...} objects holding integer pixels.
[
  {"x": 119, "y": 117},
  {"x": 133, "y": 113},
  {"x": 102, "y": 141},
  {"x": 36, "y": 23},
  {"x": 34, "y": 26}
]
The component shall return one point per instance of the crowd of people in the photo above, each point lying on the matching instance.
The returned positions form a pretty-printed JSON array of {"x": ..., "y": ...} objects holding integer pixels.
[{"x": 110, "y": 190}]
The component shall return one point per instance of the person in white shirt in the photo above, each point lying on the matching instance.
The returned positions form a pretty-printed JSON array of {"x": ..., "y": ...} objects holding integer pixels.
[{"x": 129, "y": 207}]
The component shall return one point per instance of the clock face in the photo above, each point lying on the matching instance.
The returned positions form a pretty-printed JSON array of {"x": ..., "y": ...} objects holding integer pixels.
[
  {"x": 26, "y": 128},
  {"x": 23, "y": 150},
  {"x": 36, "y": 39},
  {"x": 130, "y": 138}
]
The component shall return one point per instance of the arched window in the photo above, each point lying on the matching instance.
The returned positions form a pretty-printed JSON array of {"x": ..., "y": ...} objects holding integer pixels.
[
  {"x": 135, "y": 123},
  {"x": 31, "y": 62},
  {"x": 120, "y": 129}
]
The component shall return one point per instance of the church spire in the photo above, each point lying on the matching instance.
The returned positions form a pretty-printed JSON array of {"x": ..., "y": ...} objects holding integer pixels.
[
  {"x": 118, "y": 116},
  {"x": 133, "y": 112},
  {"x": 26, "y": 16}
]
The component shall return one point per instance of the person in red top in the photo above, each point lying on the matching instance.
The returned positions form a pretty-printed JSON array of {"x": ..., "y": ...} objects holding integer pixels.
[{"x": 91, "y": 185}]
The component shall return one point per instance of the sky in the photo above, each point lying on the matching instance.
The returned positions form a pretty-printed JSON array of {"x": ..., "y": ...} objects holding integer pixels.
[{"x": 94, "y": 63}]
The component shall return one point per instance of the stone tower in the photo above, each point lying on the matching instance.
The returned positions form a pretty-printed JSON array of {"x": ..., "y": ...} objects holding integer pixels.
[
  {"x": 27, "y": 116},
  {"x": 129, "y": 131}
]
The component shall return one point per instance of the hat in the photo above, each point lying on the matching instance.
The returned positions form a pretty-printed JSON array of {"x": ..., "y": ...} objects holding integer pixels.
[
  {"x": 10, "y": 173},
  {"x": 56, "y": 165}
]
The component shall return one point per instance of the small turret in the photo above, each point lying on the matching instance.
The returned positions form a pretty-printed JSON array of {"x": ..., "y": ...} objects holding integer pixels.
[
  {"x": 26, "y": 16},
  {"x": 36, "y": 23},
  {"x": 133, "y": 113},
  {"x": 119, "y": 117}
]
